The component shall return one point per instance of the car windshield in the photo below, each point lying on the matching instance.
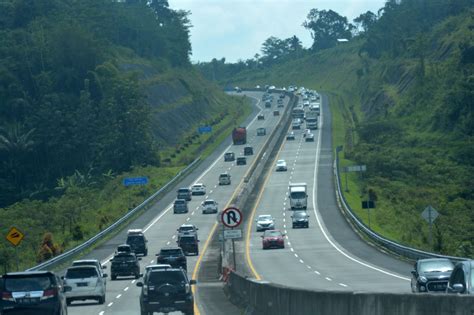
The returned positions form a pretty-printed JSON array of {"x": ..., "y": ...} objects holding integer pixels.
[
  {"x": 187, "y": 240},
  {"x": 281, "y": 162},
  {"x": 298, "y": 195},
  {"x": 161, "y": 277},
  {"x": 79, "y": 273},
  {"x": 264, "y": 217},
  {"x": 170, "y": 252},
  {"x": 208, "y": 203},
  {"x": 186, "y": 228},
  {"x": 134, "y": 239},
  {"x": 21, "y": 284},
  {"x": 300, "y": 214},
  {"x": 436, "y": 266},
  {"x": 272, "y": 233},
  {"x": 124, "y": 258}
]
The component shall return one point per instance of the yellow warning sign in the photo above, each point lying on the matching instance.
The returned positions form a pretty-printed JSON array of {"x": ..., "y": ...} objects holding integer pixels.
[{"x": 15, "y": 236}]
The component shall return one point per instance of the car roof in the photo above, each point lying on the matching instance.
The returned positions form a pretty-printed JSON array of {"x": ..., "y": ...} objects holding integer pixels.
[
  {"x": 82, "y": 267},
  {"x": 28, "y": 273},
  {"x": 86, "y": 261},
  {"x": 157, "y": 266},
  {"x": 186, "y": 225}
]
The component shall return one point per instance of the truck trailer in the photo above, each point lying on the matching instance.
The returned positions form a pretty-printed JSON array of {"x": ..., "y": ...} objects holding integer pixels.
[{"x": 239, "y": 135}]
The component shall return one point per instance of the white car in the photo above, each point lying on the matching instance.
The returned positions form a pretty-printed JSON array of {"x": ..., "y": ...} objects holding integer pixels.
[
  {"x": 309, "y": 137},
  {"x": 281, "y": 166},
  {"x": 265, "y": 222},
  {"x": 209, "y": 206},
  {"x": 85, "y": 283},
  {"x": 198, "y": 189},
  {"x": 91, "y": 262}
]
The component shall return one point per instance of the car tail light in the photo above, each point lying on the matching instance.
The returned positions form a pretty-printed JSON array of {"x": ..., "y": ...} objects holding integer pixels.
[
  {"x": 187, "y": 288},
  {"x": 7, "y": 296},
  {"x": 48, "y": 294}
]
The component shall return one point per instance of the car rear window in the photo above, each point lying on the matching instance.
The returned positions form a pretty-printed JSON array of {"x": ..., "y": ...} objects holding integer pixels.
[
  {"x": 134, "y": 239},
  {"x": 183, "y": 190},
  {"x": 170, "y": 252},
  {"x": 22, "y": 283},
  {"x": 186, "y": 228},
  {"x": 186, "y": 240},
  {"x": 84, "y": 263},
  {"x": 124, "y": 258},
  {"x": 161, "y": 277},
  {"x": 81, "y": 273}
]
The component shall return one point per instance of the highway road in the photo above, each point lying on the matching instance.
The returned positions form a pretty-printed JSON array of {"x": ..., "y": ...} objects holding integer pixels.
[
  {"x": 160, "y": 224},
  {"x": 329, "y": 255}
]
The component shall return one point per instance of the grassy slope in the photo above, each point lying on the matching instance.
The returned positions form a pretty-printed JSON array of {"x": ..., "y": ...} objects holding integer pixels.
[{"x": 419, "y": 158}]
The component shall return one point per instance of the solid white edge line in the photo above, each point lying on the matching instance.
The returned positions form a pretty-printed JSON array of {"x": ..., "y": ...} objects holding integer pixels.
[{"x": 316, "y": 211}]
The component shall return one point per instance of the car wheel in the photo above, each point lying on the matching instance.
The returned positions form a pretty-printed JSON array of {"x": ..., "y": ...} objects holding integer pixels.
[
  {"x": 68, "y": 302},
  {"x": 102, "y": 299},
  {"x": 137, "y": 275},
  {"x": 113, "y": 277},
  {"x": 145, "y": 253},
  {"x": 190, "y": 311}
]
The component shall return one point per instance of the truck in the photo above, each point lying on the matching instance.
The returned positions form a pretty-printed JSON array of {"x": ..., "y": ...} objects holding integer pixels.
[
  {"x": 239, "y": 135},
  {"x": 298, "y": 196},
  {"x": 312, "y": 120}
]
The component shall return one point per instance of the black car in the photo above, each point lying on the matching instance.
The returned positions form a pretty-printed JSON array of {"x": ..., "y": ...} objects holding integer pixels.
[
  {"x": 173, "y": 256},
  {"x": 431, "y": 275},
  {"x": 189, "y": 244},
  {"x": 241, "y": 161},
  {"x": 137, "y": 241},
  {"x": 461, "y": 280},
  {"x": 166, "y": 290},
  {"x": 248, "y": 151},
  {"x": 33, "y": 292},
  {"x": 125, "y": 264},
  {"x": 229, "y": 156},
  {"x": 300, "y": 219}
]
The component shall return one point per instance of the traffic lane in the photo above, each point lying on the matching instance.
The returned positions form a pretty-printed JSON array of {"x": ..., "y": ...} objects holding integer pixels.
[
  {"x": 168, "y": 230},
  {"x": 334, "y": 221}
]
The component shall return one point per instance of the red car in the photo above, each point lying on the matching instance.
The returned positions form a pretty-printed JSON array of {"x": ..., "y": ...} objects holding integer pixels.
[{"x": 273, "y": 239}]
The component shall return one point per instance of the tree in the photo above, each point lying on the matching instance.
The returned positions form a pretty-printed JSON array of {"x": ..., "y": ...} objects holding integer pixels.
[
  {"x": 326, "y": 27},
  {"x": 365, "y": 21}
]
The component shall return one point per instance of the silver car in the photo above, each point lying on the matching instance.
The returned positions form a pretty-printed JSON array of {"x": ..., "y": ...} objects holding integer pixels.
[
  {"x": 265, "y": 222},
  {"x": 85, "y": 283},
  {"x": 209, "y": 206}
]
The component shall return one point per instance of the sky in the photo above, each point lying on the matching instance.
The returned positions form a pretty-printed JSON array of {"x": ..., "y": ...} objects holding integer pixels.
[{"x": 236, "y": 29}]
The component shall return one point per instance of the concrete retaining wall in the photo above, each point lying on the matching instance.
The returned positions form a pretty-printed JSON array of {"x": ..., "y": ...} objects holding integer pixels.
[{"x": 261, "y": 297}]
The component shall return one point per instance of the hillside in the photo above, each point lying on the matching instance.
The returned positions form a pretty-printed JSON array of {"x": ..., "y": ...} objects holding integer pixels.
[
  {"x": 92, "y": 92},
  {"x": 401, "y": 95}
]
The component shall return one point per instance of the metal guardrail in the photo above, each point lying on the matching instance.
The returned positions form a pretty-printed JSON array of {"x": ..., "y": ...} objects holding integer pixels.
[
  {"x": 392, "y": 246},
  {"x": 70, "y": 253}
]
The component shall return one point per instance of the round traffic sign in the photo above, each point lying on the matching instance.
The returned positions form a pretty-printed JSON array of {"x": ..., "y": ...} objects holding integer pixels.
[{"x": 231, "y": 217}]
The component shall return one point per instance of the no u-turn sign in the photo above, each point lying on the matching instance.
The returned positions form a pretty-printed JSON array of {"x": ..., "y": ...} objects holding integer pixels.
[{"x": 231, "y": 217}]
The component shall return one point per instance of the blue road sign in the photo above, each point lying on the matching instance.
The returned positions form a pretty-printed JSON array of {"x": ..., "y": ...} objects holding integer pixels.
[
  {"x": 205, "y": 129},
  {"x": 132, "y": 181}
]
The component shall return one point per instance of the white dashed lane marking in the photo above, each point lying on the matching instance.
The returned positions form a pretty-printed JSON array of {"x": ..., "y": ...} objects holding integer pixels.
[
  {"x": 317, "y": 272},
  {"x": 126, "y": 289},
  {"x": 118, "y": 296},
  {"x": 110, "y": 304},
  {"x": 328, "y": 279},
  {"x": 301, "y": 261},
  {"x": 343, "y": 285}
]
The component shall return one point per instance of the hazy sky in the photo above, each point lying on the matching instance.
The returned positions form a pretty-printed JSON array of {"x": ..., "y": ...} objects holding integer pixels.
[{"x": 236, "y": 29}]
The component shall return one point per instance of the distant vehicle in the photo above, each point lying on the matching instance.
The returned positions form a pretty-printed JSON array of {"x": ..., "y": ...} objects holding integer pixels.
[
  {"x": 86, "y": 283},
  {"x": 280, "y": 101},
  {"x": 290, "y": 135},
  {"x": 229, "y": 156},
  {"x": 187, "y": 229},
  {"x": 91, "y": 262},
  {"x": 33, "y": 292},
  {"x": 281, "y": 96},
  {"x": 257, "y": 86},
  {"x": 198, "y": 189},
  {"x": 261, "y": 131},
  {"x": 296, "y": 123},
  {"x": 305, "y": 103},
  {"x": 248, "y": 151},
  {"x": 209, "y": 206},
  {"x": 300, "y": 218},
  {"x": 268, "y": 103},
  {"x": 124, "y": 248},
  {"x": 312, "y": 120},
  {"x": 125, "y": 264},
  {"x": 137, "y": 241},
  {"x": 180, "y": 206},
  {"x": 461, "y": 280},
  {"x": 237, "y": 89},
  {"x": 261, "y": 117},
  {"x": 309, "y": 137},
  {"x": 276, "y": 113},
  {"x": 173, "y": 256},
  {"x": 241, "y": 160},
  {"x": 431, "y": 275},
  {"x": 281, "y": 166},
  {"x": 273, "y": 239},
  {"x": 297, "y": 112},
  {"x": 184, "y": 193},
  {"x": 224, "y": 179},
  {"x": 189, "y": 244},
  {"x": 298, "y": 196},
  {"x": 239, "y": 135},
  {"x": 265, "y": 222},
  {"x": 166, "y": 290}
]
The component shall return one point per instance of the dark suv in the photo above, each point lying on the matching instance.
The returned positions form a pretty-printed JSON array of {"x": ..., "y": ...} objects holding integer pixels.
[
  {"x": 431, "y": 275},
  {"x": 189, "y": 244},
  {"x": 248, "y": 151},
  {"x": 33, "y": 292},
  {"x": 137, "y": 241},
  {"x": 125, "y": 264},
  {"x": 300, "y": 219},
  {"x": 173, "y": 256},
  {"x": 166, "y": 290}
]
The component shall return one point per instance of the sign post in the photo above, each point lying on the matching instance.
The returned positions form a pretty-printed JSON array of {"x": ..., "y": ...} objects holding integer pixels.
[
  {"x": 430, "y": 214},
  {"x": 134, "y": 181},
  {"x": 15, "y": 236},
  {"x": 232, "y": 217}
]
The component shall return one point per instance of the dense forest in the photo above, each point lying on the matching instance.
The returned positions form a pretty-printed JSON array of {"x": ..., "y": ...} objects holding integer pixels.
[
  {"x": 401, "y": 92},
  {"x": 93, "y": 91}
]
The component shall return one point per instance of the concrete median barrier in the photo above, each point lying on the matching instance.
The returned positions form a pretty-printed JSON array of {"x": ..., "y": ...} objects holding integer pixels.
[{"x": 262, "y": 297}]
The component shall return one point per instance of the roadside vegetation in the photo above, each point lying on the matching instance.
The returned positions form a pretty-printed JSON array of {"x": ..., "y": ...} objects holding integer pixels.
[
  {"x": 92, "y": 92},
  {"x": 400, "y": 92}
]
